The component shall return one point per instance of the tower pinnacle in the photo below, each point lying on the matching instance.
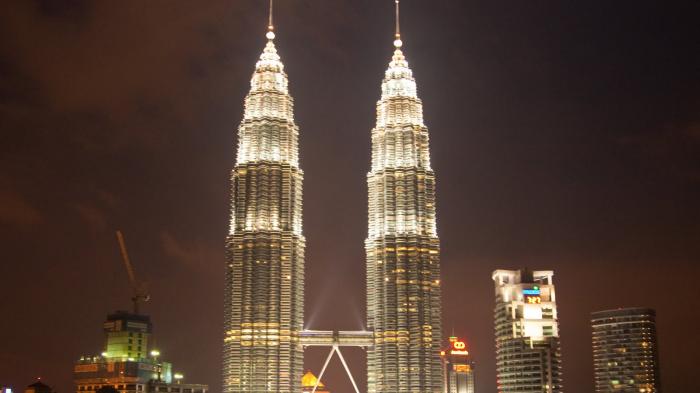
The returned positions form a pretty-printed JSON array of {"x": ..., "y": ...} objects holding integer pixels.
[
  {"x": 397, "y": 36},
  {"x": 270, "y": 26}
]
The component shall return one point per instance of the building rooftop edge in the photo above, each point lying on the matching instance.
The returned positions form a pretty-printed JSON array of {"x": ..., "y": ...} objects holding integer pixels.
[
  {"x": 513, "y": 271},
  {"x": 623, "y": 312}
]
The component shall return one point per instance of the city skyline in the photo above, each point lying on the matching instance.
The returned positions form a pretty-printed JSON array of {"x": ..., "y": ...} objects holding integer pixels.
[{"x": 548, "y": 154}]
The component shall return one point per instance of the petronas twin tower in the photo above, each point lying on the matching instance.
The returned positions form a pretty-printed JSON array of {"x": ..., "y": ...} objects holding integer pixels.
[{"x": 264, "y": 303}]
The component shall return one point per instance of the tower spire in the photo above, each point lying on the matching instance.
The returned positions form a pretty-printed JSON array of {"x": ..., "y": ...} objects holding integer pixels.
[
  {"x": 397, "y": 35},
  {"x": 270, "y": 26}
]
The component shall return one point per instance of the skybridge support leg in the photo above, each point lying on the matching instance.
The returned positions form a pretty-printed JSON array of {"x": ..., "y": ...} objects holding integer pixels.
[
  {"x": 323, "y": 370},
  {"x": 347, "y": 369}
]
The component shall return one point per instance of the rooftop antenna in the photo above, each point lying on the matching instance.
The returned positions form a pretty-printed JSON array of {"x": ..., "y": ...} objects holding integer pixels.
[
  {"x": 397, "y": 35},
  {"x": 270, "y": 26}
]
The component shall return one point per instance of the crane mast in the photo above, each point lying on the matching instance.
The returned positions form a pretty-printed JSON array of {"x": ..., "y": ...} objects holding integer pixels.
[{"x": 138, "y": 289}]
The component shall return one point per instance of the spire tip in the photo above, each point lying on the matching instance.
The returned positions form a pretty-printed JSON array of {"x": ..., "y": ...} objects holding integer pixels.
[
  {"x": 270, "y": 26},
  {"x": 397, "y": 37}
]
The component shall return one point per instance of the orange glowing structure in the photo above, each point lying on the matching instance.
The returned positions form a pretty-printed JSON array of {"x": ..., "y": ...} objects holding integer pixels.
[{"x": 309, "y": 380}]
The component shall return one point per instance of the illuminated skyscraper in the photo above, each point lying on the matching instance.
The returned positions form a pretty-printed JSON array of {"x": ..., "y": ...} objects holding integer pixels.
[
  {"x": 457, "y": 367},
  {"x": 528, "y": 356},
  {"x": 264, "y": 304},
  {"x": 625, "y": 355},
  {"x": 403, "y": 250}
]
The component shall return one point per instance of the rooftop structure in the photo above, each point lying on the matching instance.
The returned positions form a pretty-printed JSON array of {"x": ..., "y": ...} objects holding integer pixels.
[{"x": 38, "y": 387}]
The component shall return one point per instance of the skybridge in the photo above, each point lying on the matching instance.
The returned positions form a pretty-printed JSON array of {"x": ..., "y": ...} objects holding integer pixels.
[{"x": 335, "y": 340}]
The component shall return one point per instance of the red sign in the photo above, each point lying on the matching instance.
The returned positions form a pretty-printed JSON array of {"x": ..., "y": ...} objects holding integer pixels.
[{"x": 458, "y": 348}]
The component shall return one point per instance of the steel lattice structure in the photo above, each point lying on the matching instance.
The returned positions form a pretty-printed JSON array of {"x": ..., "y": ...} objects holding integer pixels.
[
  {"x": 403, "y": 250},
  {"x": 264, "y": 304}
]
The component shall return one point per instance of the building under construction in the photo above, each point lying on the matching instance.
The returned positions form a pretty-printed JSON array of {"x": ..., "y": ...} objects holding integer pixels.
[{"x": 128, "y": 362}]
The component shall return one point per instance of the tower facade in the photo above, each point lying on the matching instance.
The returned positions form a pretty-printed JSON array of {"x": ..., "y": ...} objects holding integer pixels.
[
  {"x": 402, "y": 246},
  {"x": 528, "y": 355},
  {"x": 625, "y": 355},
  {"x": 264, "y": 302}
]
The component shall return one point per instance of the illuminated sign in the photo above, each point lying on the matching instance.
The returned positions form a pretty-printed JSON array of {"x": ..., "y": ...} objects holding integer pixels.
[
  {"x": 535, "y": 291},
  {"x": 458, "y": 348},
  {"x": 533, "y": 299},
  {"x": 461, "y": 368}
]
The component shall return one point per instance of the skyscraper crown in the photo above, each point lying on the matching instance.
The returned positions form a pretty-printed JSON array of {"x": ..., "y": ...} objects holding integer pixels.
[
  {"x": 269, "y": 71},
  {"x": 268, "y": 131},
  {"x": 398, "y": 78}
]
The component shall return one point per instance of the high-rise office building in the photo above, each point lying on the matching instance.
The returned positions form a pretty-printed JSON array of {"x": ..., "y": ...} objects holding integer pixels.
[
  {"x": 128, "y": 363},
  {"x": 528, "y": 355},
  {"x": 457, "y": 367},
  {"x": 264, "y": 301},
  {"x": 625, "y": 354},
  {"x": 402, "y": 246}
]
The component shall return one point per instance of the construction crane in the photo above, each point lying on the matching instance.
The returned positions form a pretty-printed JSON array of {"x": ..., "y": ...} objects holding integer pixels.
[{"x": 140, "y": 294}]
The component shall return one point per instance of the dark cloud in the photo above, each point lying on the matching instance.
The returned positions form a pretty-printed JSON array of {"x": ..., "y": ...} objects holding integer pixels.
[
  {"x": 193, "y": 255},
  {"x": 93, "y": 217},
  {"x": 16, "y": 210}
]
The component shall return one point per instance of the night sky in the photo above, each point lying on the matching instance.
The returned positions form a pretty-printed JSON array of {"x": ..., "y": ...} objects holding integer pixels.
[{"x": 565, "y": 135}]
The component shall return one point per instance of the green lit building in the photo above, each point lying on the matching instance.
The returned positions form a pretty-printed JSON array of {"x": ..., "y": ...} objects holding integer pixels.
[
  {"x": 127, "y": 335},
  {"x": 128, "y": 362}
]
